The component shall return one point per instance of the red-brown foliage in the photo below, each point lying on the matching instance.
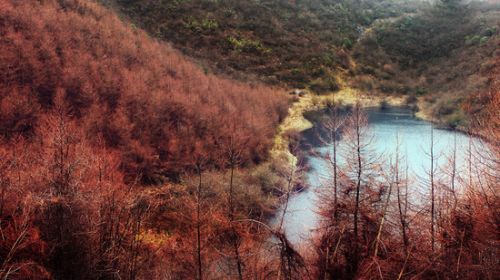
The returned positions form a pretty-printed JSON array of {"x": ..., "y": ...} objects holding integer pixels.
[
  {"x": 89, "y": 104},
  {"x": 142, "y": 96},
  {"x": 463, "y": 242},
  {"x": 65, "y": 211}
]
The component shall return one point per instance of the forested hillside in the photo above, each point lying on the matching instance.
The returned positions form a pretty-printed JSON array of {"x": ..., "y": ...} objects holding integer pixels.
[
  {"x": 387, "y": 47},
  {"x": 297, "y": 43},
  {"x": 154, "y": 139},
  {"x": 124, "y": 89},
  {"x": 442, "y": 55},
  {"x": 92, "y": 112}
]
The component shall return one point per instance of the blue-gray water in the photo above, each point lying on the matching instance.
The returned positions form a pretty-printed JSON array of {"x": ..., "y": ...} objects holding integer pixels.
[{"x": 385, "y": 126}]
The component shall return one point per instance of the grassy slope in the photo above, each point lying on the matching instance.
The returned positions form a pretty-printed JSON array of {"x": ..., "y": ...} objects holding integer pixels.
[
  {"x": 298, "y": 43},
  {"x": 437, "y": 57}
]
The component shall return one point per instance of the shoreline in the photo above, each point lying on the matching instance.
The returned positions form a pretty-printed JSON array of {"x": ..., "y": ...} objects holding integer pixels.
[{"x": 295, "y": 122}]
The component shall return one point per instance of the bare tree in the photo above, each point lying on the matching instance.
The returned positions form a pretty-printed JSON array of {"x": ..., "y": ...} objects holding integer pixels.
[
  {"x": 394, "y": 181},
  {"x": 402, "y": 201},
  {"x": 290, "y": 261},
  {"x": 290, "y": 264},
  {"x": 330, "y": 231},
  {"x": 360, "y": 162},
  {"x": 452, "y": 172},
  {"x": 233, "y": 157},
  {"x": 333, "y": 126},
  {"x": 359, "y": 192},
  {"x": 431, "y": 173},
  {"x": 198, "y": 165}
]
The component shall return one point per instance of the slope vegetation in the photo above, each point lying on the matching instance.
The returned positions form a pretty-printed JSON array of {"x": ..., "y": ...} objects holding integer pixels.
[
  {"x": 298, "y": 43},
  {"x": 137, "y": 95},
  {"x": 436, "y": 53},
  {"x": 440, "y": 56},
  {"x": 98, "y": 123}
]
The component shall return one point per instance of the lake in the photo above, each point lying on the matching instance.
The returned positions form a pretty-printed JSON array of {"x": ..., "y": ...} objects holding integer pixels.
[{"x": 385, "y": 125}]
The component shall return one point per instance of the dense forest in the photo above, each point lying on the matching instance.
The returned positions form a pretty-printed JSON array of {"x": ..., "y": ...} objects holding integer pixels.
[
  {"x": 124, "y": 90},
  {"x": 125, "y": 157},
  {"x": 436, "y": 53},
  {"x": 92, "y": 112},
  {"x": 300, "y": 43}
]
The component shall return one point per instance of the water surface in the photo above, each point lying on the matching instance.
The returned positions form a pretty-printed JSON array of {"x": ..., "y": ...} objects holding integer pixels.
[{"x": 386, "y": 126}]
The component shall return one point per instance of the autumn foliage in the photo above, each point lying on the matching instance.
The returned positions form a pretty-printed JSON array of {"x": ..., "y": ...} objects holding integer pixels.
[
  {"x": 448, "y": 233},
  {"x": 91, "y": 111},
  {"x": 140, "y": 96},
  {"x": 120, "y": 159}
]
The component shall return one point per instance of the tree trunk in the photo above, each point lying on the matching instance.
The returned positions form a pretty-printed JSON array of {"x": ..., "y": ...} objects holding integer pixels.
[
  {"x": 198, "y": 225},
  {"x": 358, "y": 186},
  {"x": 432, "y": 190}
]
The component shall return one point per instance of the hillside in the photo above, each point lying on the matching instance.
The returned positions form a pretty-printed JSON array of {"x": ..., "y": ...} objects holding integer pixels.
[
  {"x": 153, "y": 139},
  {"x": 101, "y": 130},
  {"x": 438, "y": 57},
  {"x": 140, "y": 96},
  {"x": 389, "y": 47},
  {"x": 296, "y": 43}
]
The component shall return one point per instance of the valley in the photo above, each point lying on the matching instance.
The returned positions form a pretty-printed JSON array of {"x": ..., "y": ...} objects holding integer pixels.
[{"x": 259, "y": 139}]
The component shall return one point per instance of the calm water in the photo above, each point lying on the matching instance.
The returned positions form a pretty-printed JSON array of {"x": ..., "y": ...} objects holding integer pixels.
[{"x": 385, "y": 126}]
